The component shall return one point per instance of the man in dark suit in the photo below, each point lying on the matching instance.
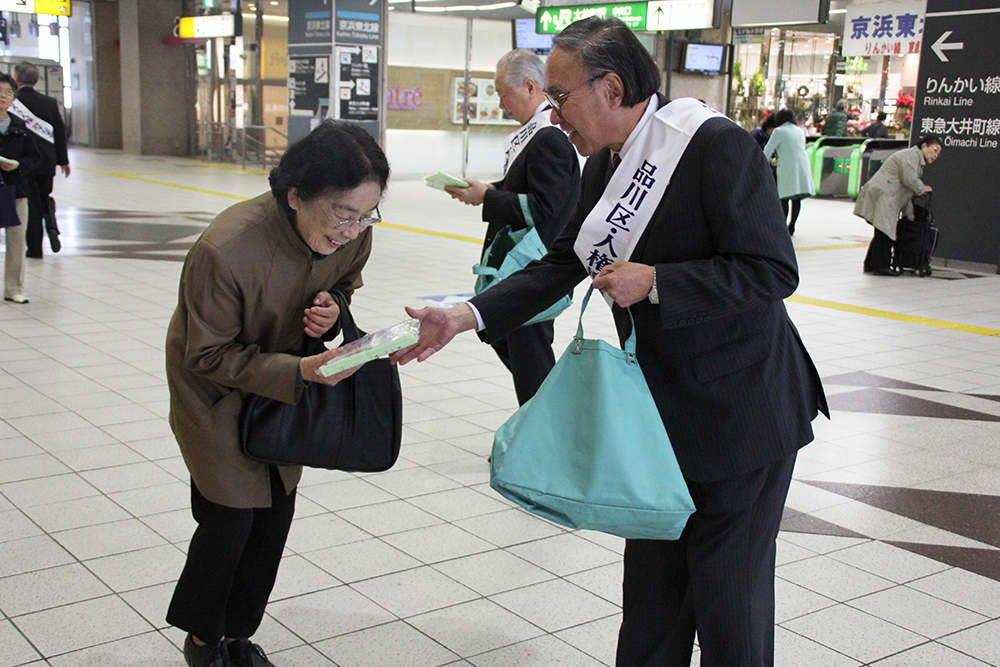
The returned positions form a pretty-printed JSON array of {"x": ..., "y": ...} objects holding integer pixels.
[
  {"x": 41, "y": 206},
  {"x": 704, "y": 282},
  {"x": 542, "y": 176}
]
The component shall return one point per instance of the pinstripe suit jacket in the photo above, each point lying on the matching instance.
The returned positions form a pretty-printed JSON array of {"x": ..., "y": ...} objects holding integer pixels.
[{"x": 731, "y": 378}]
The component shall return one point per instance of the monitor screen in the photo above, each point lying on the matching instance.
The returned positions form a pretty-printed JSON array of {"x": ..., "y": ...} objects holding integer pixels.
[
  {"x": 703, "y": 58},
  {"x": 525, "y": 37}
]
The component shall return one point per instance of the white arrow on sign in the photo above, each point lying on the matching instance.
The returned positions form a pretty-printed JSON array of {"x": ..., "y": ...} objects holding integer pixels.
[{"x": 939, "y": 46}]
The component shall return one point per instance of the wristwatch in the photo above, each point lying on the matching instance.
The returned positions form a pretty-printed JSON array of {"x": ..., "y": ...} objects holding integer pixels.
[{"x": 654, "y": 296}]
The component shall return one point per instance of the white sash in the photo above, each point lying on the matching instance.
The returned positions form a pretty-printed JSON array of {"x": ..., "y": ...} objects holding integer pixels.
[
  {"x": 519, "y": 138},
  {"x": 34, "y": 123},
  {"x": 613, "y": 227}
]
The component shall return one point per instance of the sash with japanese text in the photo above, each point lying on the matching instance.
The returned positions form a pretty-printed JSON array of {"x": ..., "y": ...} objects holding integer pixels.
[
  {"x": 613, "y": 227},
  {"x": 40, "y": 127},
  {"x": 519, "y": 138}
]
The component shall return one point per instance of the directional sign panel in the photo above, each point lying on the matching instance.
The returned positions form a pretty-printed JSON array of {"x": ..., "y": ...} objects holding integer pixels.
[
  {"x": 554, "y": 19},
  {"x": 958, "y": 98},
  {"x": 680, "y": 14}
]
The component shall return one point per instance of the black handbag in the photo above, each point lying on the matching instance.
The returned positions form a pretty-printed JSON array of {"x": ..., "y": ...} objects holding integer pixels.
[
  {"x": 355, "y": 425},
  {"x": 8, "y": 205}
]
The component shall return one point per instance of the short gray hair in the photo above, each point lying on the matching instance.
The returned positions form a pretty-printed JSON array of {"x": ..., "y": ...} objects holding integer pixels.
[
  {"x": 521, "y": 65},
  {"x": 26, "y": 73}
]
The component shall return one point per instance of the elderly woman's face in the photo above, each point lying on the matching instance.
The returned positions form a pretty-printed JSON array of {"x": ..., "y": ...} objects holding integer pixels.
[
  {"x": 317, "y": 219},
  {"x": 931, "y": 152}
]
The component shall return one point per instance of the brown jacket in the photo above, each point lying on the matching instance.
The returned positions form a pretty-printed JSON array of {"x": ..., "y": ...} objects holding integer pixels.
[{"x": 238, "y": 329}]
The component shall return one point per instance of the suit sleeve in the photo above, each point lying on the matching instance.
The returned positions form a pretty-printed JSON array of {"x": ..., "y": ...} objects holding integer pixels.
[
  {"x": 553, "y": 177},
  {"x": 522, "y": 295},
  {"x": 753, "y": 262}
]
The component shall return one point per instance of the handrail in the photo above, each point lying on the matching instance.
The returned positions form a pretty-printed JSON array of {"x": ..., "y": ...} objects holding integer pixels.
[{"x": 224, "y": 142}]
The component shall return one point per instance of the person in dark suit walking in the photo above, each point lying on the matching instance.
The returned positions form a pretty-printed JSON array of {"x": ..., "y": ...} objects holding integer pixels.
[
  {"x": 542, "y": 178},
  {"x": 702, "y": 259},
  {"x": 52, "y": 142}
]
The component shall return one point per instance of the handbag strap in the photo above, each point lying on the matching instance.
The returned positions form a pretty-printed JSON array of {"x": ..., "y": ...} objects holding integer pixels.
[
  {"x": 346, "y": 319},
  {"x": 628, "y": 348},
  {"x": 529, "y": 220}
]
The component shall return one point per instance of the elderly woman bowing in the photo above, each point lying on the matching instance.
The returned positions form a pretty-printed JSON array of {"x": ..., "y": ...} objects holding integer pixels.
[{"x": 255, "y": 283}]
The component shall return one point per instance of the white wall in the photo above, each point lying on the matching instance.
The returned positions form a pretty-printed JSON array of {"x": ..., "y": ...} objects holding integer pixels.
[
  {"x": 434, "y": 41},
  {"x": 416, "y": 153}
]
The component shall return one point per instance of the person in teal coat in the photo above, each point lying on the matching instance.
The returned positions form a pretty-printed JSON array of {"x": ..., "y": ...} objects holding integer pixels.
[{"x": 795, "y": 183}]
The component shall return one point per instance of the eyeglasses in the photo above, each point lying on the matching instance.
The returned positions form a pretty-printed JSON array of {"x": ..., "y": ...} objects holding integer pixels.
[
  {"x": 363, "y": 223},
  {"x": 6, "y": 92},
  {"x": 558, "y": 99}
]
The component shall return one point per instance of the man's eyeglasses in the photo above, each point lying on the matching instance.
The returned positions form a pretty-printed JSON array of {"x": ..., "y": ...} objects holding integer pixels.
[
  {"x": 363, "y": 223},
  {"x": 558, "y": 99}
]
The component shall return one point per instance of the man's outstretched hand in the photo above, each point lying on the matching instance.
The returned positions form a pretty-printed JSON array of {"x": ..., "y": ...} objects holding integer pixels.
[{"x": 437, "y": 327}]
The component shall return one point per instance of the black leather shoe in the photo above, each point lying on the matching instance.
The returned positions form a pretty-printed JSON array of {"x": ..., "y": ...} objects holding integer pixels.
[
  {"x": 885, "y": 272},
  {"x": 33, "y": 255},
  {"x": 205, "y": 656},
  {"x": 244, "y": 653},
  {"x": 54, "y": 240}
]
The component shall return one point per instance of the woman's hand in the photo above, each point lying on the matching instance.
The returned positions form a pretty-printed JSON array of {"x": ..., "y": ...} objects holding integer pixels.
[
  {"x": 321, "y": 316},
  {"x": 309, "y": 368},
  {"x": 7, "y": 167}
]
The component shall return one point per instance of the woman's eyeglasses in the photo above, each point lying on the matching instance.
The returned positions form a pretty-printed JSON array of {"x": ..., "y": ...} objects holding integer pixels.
[{"x": 363, "y": 223}]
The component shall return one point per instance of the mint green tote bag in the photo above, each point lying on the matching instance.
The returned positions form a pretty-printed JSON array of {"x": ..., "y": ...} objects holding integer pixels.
[
  {"x": 589, "y": 450},
  {"x": 511, "y": 251}
]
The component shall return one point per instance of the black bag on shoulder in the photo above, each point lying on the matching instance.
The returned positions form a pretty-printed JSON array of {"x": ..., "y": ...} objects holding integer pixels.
[{"x": 355, "y": 425}]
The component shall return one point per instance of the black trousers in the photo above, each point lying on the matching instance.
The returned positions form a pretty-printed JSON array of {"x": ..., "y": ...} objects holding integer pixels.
[
  {"x": 527, "y": 354},
  {"x": 717, "y": 579},
  {"x": 231, "y": 566},
  {"x": 40, "y": 216},
  {"x": 879, "y": 252}
]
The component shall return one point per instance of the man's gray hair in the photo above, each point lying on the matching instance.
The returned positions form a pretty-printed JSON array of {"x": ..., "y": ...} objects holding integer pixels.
[
  {"x": 26, "y": 73},
  {"x": 522, "y": 65},
  {"x": 603, "y": 45}
]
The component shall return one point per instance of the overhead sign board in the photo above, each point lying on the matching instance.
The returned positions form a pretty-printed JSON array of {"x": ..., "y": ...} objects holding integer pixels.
[
  {"x": 54, "y": 7},
  {"x": 680, "y": 14},
  {"x": 884, "y": 28},
  {"x": 555, "y": 19},
  {"x": 638, "y": 16},
  {"x": 958, "y": 99},
  {"x": 217, "y": 25}
]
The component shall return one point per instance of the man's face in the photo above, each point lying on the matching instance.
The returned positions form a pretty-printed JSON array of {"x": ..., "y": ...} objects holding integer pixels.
[
  {"x": 515, "y": 101},
  {"x": 582, "y": 109}
]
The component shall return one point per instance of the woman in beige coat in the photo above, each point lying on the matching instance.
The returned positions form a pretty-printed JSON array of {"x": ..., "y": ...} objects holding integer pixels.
[
  {"x": 887, "y": 193},
  {"x": 255, "y": 283}
]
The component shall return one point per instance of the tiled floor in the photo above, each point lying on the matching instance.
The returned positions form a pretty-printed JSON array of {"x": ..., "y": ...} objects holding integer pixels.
[{"x": 890, "y": 554}]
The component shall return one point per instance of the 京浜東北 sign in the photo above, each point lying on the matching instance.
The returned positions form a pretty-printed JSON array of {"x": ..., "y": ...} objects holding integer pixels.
[{"x": 883, "y": 28}]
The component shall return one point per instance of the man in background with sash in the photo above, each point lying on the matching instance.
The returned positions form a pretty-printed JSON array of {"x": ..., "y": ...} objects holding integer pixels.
[
  {"x": 43, "y": 117},
  {"x": 541, "y": 176},
  {"x": 679, "y": 221}
]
